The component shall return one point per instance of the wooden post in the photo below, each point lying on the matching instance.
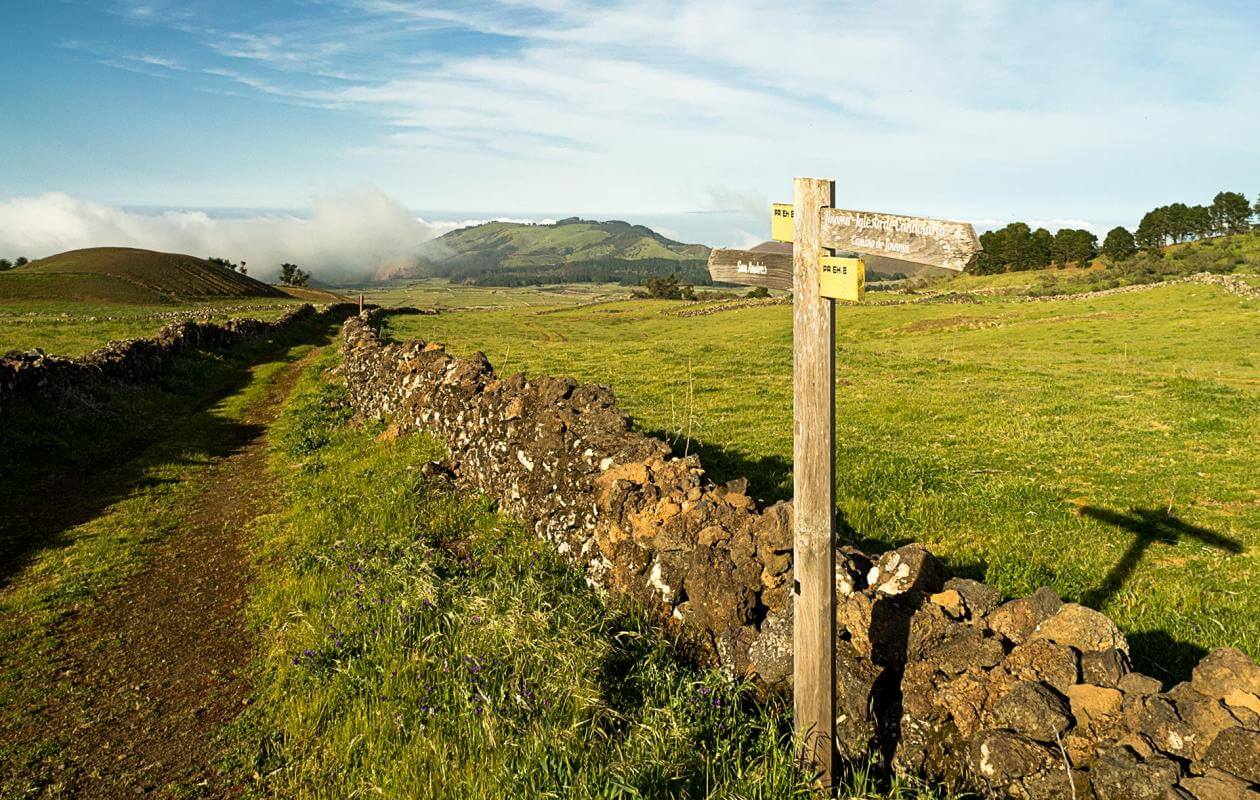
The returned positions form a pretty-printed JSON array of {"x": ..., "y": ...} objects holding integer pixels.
[
  {"x": 813, "y": 484},
  {"x": 813, "y": 223},
  {"x": 360, "y": 302}
]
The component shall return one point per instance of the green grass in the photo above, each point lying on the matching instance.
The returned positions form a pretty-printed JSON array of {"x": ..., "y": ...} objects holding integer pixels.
[
  {"x": 75, "y": 328},
  {"x": 439, "y": 292},
  {"x": 518, "y": 245},
  {"x": 420, "y": 645},
  {"x": 988, "y": 432},
  {"x": 146, "y": 449}
]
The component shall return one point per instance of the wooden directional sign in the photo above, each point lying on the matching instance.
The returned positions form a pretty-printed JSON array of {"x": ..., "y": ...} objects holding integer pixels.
[
  {"x": 751, "y": 268},
  {"x": 937, "y": 242},
  {"x": 842, "y": 278}
]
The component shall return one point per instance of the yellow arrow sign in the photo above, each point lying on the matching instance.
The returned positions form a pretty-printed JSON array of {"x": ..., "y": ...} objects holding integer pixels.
[
  {"x": 842, "y": 278},
  {"x": 781, "y": 226}
]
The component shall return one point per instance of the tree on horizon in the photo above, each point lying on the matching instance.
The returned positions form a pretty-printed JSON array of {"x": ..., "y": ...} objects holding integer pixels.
[
  {"x": 1231, "y": 213},
  {"x": 1119, "y": 244},
  {"x": 291, "y": 275},
  {"x": 1074, "y": 246}
]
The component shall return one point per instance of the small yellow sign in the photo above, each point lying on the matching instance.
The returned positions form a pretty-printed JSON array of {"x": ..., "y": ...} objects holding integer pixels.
[
  {"x": 842, "y": 278},
  {"x": 781, "y": 226}
]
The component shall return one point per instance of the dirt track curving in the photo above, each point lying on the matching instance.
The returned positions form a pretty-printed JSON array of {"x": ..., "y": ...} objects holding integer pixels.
[{"x": 158, "y": 667}]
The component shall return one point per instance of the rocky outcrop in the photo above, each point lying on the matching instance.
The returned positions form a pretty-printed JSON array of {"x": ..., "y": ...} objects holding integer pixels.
[
  {"x": 37, "y": 374},
  {"x": 1027, "y": 698}
]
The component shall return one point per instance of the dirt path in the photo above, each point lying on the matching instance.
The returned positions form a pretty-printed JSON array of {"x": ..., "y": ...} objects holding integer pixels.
[{"x": 157, "y": 668}]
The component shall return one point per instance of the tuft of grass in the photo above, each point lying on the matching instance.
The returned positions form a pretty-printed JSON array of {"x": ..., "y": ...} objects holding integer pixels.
[{"x": 417, "y": 644}]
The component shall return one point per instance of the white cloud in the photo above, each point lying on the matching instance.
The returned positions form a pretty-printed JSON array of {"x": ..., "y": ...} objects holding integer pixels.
[
  {"x": 662, "y": 98},
  {"x": 348, "y": 236},
  {"x": 722, "y": 198},
  {"x": 995, "y": 108},
  {"x": 158, "y": 61}
]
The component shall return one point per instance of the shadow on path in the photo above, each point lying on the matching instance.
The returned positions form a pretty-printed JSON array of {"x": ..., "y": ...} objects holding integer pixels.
[{"x": 71, "y": 462}]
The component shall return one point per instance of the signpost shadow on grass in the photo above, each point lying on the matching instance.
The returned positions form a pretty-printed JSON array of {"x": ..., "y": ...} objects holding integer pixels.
[
  {"x": 1149, "y": 525},
  {"x": 1155, "y": 649}
]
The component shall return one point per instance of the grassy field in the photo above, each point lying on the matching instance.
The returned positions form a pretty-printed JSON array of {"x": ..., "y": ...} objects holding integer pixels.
[
  {"x": 74, "y": 302},
  {"x": 72, "y": 329},
  {"x": 441, "y": 293},
  {"x": 1105, "y": 447},
  {"x": 419, "y": 645}
]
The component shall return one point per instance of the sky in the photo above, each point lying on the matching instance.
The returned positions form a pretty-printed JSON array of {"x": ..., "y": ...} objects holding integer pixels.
[{"x": 164, "y": 117}]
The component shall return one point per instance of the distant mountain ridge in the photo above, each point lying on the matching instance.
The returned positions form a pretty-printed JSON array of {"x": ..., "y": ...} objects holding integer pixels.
[{"x": 572, "y": 250}]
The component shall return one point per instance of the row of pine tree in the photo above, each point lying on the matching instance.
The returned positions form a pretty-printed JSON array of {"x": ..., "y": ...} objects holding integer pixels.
[{"x": 1018, "y": 247}]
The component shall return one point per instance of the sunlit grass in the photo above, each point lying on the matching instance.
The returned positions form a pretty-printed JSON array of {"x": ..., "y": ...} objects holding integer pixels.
[
  {"x": 73, "y": 328},
  {"x": 977, "y": 429},
  {"x": 420, "y": 645},
  {"x": 441, "y": 293}
]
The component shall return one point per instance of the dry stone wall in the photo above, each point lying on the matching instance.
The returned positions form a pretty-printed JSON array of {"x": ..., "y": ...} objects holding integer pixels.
[
  {"x": 1024, "y": 698},
  {"x": 36, "y": 374}
]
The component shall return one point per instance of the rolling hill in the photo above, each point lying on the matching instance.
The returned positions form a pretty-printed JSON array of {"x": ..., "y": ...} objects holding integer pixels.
[
  {"x": 571, "y": 250},
  {"x": 128, "y": 275}
]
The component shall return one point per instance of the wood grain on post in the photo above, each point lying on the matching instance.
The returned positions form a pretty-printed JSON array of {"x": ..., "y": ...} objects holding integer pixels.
[
  {"x": 813, "y": 484},
  {"x": 751, "y": 268}
]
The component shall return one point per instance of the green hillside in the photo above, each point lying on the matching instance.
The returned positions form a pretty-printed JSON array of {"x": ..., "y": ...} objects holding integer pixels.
[
  {"x": 570, "y": 251},
  {"x": 127, "y": 275},
  {"x": 1237, "y": 255}
]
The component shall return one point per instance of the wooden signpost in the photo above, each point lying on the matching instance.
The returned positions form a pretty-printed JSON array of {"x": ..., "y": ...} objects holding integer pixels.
[{"x": 816, "y": 278}]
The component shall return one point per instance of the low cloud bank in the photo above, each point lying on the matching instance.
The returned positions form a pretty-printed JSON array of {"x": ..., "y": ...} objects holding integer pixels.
[{"x": 348, "y": 237}]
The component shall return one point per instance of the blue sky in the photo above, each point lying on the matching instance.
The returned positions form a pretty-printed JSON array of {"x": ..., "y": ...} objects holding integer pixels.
[{"x": 982, "y": 110}]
